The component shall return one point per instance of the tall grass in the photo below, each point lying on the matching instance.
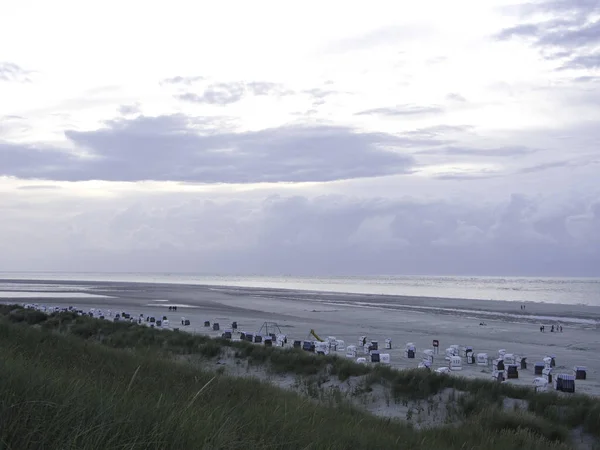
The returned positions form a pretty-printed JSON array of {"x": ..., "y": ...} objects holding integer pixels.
[
  {"x": 59, "y": 391},
  {"x": 61, "y": 351}
]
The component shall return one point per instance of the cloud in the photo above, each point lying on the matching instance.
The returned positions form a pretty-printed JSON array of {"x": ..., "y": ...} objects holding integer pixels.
[
  {"x": 13, "y": 124},
  {"x": 461, "y": 176},
  {"x": 402, "y": 110},
  {"x": 490, "y": 152},
  {"x": 28, "y": 161},
  {"x": 227, "y": 93},
  {"x": 170, "y": 148},
  {"x": 12, "y": 72},
  {"x": 438, "y": 130},
  {"x": 584, "y": 62},
  {"x": 577, "y": 8},
  {"x": 454, "y": 97},
  {"x": 572, "y": 34},
  {"x": 267, "y": 88},
  {"x": 216, "y": 94},
  {"x": 563, "y": 164},
  {"x": 585, "y": 227},
  {"x": 40, "y": 187},
  {"x": 390, "y": 36},
  {"x": 128, "y": 110},
  {"x": 523, "y": 30},
  {"x": 319, "y": 95},
  {"x": 188, "y": 81},
  {"x": 297, "y": 234}
]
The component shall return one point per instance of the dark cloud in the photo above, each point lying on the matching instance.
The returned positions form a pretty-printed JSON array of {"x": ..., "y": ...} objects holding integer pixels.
[
  {"x": 227, "y": 93},
  {"x": 188, "y": 81},
  {"x": 402, "y": 110},
  {"x": 572, "y": 35},
  {"x": 331, "y": 234},
  {"x": 170, "y": 148},
  {"x": 27, "y": 161},
  {"x": 12, "y": 72}
]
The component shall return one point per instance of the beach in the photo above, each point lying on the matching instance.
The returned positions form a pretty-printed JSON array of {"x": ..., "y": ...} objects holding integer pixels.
[{"x": 402, "y": 319}]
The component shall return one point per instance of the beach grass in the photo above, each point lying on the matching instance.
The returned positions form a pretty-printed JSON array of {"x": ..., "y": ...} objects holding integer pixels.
[{"x": 73, "y": 382}]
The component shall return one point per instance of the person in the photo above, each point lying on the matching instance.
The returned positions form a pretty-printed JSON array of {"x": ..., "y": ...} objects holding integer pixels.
[{"x": 552, "y": 329}]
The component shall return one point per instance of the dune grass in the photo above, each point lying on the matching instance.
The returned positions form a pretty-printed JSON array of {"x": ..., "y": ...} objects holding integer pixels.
[{"x": 75, "y": 382}]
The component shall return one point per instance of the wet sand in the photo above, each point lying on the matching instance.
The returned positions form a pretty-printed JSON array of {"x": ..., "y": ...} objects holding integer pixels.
[{"x": 348, "y": 316}]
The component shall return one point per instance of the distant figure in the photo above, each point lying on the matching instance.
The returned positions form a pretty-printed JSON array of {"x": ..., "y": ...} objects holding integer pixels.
[
  {"x": 552, "y": 329},
  {"x": 561, "y": 328}
]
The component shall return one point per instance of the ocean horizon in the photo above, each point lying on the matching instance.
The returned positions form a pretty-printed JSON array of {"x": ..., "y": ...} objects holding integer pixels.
[{"x": 557, "y": 290}]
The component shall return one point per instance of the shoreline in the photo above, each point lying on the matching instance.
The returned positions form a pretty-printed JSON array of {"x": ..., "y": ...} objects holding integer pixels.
[
  {"x": 557, "y": 290},
  {"x": 106, "y": 291}
]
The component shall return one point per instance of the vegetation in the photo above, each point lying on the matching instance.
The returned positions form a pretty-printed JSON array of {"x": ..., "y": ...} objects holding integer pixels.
[{"x": 74, "y": 382}]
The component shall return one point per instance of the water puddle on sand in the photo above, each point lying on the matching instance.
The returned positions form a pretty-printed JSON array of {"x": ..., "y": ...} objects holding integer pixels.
[
  {"x": 22, "y": 294},
  {"x": 179, "y": 305}
]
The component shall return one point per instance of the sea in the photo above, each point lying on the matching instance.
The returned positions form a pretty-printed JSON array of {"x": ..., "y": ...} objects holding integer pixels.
[{"x": 569, "y": 291}]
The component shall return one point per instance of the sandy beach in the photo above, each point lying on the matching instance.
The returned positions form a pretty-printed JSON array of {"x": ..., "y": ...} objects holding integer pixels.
[{"x": 348, "y": 316}]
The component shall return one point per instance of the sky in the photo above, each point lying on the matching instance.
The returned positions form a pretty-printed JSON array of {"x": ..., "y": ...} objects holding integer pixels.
[{"x": 301, "y": 138}]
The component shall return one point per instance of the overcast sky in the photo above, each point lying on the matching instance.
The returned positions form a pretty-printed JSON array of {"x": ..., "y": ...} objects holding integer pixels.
[{"x": 303, "y": 138}]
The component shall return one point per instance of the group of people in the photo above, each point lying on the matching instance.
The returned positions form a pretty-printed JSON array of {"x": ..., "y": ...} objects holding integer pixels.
[{"x": 559, "y": 328}]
